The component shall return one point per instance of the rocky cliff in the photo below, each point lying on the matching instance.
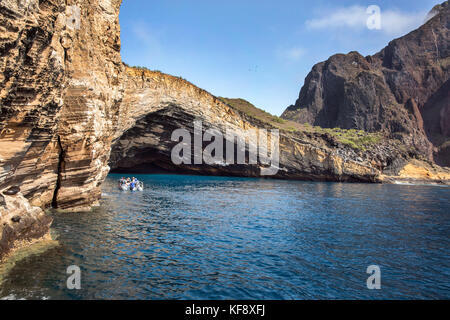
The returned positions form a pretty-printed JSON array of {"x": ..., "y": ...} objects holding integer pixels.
[
  {"x": 404, "y": 90},
  {"x": 60, "y": 90},
  {"x": 156, "y": 104},
  {"x": 69, "y": 108}
]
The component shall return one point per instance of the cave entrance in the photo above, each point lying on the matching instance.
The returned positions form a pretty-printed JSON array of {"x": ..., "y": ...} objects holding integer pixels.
[{"x": 146, "y": 148}]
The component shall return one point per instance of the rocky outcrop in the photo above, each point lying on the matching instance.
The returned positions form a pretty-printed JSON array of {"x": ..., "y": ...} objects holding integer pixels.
[
  {"x": 404, "y": 90},
  {"x": 156, "y": 104},
  {"x": 60, "y": 89},
  {"x": 32, "y": 82},
  {"x": 417, "y": 172},
  {"x": 90, "y": 112}
]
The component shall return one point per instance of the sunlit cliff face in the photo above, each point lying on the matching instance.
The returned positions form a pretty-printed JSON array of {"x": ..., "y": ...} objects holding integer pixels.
[
  {"x": 155, "y": 105},
  {"x": 60, "y": 88}
]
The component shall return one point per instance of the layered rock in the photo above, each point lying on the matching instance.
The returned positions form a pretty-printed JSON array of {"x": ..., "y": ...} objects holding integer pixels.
[
  {"x": 402, "y": 90},
  {"x": 90, "y": 112},
  {"x": 60, "y": 90},
  {"x": 156, "y": 104},
  {"x": 415, "y": 172},
  {"x": 32, "y": 82}
]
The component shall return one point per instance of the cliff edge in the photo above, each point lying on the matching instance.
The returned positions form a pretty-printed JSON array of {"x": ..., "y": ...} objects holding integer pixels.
[
  {"x": 404, "y": 90},
  {"x": 60, "y": 90}
]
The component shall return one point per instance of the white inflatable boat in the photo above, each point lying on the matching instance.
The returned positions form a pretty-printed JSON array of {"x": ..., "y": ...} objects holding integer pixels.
[{"x": 126, "y": 187}]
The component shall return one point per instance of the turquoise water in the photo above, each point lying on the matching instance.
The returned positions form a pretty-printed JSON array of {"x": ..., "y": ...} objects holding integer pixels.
[{"x": 188, "y": 237}]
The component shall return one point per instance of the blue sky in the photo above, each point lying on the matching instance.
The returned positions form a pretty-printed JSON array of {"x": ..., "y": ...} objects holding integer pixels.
[{"x": 259, "y": 50}]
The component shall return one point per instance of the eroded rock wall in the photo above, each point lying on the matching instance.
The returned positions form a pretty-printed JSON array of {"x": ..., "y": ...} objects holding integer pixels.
[
  {"x": 402, "y": 90},
  {"x": 156, "y": 104},
  {"x": 92, "y": 97},
  {"x": 31, "y": 84},
  {"x": 60, "y": 89}
]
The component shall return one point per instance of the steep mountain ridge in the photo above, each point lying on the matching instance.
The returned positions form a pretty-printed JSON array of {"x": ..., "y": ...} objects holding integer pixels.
[{"x": 403, "y": 90}]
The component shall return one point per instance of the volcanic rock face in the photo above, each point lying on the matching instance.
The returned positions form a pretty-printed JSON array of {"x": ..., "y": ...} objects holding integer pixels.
[
  {"x": 155, "y": 104},
  {"x": 92, "y": 97},
  {"x": 403, "y": 90},
  {"x": 60, "y": 89},
  {"x": 32, "y": 81}
]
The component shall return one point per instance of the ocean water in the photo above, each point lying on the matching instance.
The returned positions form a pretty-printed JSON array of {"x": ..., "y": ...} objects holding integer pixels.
[{"x": 188, "y": 237}]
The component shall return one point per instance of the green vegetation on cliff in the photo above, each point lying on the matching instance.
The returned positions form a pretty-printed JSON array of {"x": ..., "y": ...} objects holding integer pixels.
[
  {"x": 257, "y": 113},
  {"x": 356, "y": 139}
]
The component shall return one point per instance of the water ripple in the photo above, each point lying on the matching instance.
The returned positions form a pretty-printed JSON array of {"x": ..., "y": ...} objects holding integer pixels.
[{"x": 189, "y": 237}]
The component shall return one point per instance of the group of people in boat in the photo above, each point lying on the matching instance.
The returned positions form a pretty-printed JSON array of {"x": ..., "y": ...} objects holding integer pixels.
[{"x": 132, "y": 184}]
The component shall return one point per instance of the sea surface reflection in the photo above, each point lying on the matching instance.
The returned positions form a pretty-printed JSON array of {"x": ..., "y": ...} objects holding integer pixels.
[{"x": 188, "y": 237}]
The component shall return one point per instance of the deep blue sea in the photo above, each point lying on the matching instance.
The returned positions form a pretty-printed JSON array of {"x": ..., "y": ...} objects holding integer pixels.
[{"x": 190, "y": 237}]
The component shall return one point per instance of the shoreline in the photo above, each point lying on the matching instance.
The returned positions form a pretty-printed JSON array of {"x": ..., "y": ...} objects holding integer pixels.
[{"x": 382, "y": 179}]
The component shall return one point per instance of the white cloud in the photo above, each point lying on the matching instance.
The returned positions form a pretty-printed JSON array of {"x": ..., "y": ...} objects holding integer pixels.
[
  {"x": 148, "y": 37},
  {"x": 400, "y": 23},
  {"x": 291, "y": 54},
  {"x": 352, "y": 17},
  {"x": 355, "y": 17}
]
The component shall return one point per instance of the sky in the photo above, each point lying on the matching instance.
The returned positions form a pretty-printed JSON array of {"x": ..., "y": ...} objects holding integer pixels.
[{"x": 258, "y": 50}]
